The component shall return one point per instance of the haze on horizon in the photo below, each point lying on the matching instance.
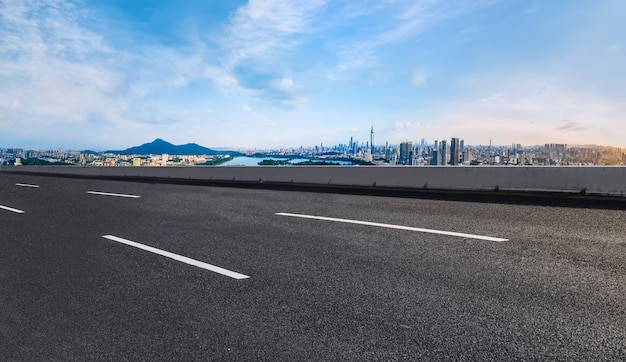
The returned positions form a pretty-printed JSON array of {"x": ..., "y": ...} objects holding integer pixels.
[{"x": 112, "y": 74}]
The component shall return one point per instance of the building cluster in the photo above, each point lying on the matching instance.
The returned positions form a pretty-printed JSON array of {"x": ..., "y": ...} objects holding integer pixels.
[
  {"x": 19, "y": 157},
  {"x": 95, "y": 159},
  {"x": 441, "y": 153},
  {"x": 550, "y": 155},
  {"x": 16, "y": 155},
  {"x": 454, "y": 152}
]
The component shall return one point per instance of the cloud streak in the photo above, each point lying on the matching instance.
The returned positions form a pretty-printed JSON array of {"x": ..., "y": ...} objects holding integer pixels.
[
  {"x": 569, "y": 126},
  {"x": 491, "y": 98},
  {"x": 260, "y": 28},
  {"x": 404, "y": 127},
  {"x": 409, "y": 18}
]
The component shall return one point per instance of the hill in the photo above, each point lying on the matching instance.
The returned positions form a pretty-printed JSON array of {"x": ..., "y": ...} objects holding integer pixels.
[{"x": 159, "y": 146}]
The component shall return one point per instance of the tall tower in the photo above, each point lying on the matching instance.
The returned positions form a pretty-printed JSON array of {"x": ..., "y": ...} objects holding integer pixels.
[
  {"x": 455, "y": 151},
  {"x": 435, "y": 159},
  {"x": 405, "y": 151},
  {"x": 462, "y": 151},
  {"x": 387, "y": 154},
  {"x": 445, "y": 151},
  {"x": 372, "y": 139}
]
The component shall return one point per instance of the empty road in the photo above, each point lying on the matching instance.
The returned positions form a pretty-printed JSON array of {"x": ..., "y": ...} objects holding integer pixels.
[{"x": 111, "y": 270}]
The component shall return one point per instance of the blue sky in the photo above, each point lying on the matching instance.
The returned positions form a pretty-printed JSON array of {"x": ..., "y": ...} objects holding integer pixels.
[{"x": 112, "y": 74}]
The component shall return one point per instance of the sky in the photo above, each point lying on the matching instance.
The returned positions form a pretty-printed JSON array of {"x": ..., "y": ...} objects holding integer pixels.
[{"x": 111, "y": 74}]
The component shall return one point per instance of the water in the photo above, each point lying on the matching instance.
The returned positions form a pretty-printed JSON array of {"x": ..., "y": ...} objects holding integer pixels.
[{"x": 254, "y": 161}]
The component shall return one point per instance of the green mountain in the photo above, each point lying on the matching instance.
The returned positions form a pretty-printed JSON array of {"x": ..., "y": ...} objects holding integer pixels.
[{"x": 159, "y": 146}]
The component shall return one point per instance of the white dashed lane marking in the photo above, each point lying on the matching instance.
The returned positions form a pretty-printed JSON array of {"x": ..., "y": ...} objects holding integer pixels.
[
  {"x": 11, "y": 209},
  {"x": 111, "y": 194},
  {"x": 27, "y": 185},
  {"x": 183, "y": 259},
  {"x": 391, "y": 226}
]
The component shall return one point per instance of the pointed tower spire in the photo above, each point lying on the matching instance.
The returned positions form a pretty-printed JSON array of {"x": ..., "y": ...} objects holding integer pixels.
[{"x": 372, "y": 139}]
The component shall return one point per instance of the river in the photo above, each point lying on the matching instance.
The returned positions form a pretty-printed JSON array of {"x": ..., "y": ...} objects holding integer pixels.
[{"x": 254, "y": 161}]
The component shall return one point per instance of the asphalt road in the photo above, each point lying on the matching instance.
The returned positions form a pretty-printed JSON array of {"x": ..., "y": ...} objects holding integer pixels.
[{"x": 309, "y": 289}]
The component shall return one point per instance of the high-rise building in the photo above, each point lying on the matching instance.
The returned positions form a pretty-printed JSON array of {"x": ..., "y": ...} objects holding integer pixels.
[
  {"x": 405, "y": 151},
  {"x": 462, "y": 151},
  {"x": 445, "y": 152},
  {"x": 455, "y": 154},
  {"x": 467, "y": 156},
  {"x": 387, "y": 153},
  {"x": 435, "y": 160}
]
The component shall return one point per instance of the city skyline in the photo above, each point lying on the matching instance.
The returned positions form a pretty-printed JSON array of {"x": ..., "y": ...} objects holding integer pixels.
[
  {"x": 268, "y": 74},
  {"x": 349, "y": 143},
  {"x": 440, "y": 153}
]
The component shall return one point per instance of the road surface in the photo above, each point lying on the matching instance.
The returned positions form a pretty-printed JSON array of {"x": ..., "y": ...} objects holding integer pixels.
[{"x": 111, "y": 270}]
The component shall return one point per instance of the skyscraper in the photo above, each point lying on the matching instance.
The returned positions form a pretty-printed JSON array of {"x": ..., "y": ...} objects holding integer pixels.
[
  {"x": 435, "y": 160},
  {"x": 372, "y": 139},
  {"x": 455, "y": 153},
  {"x": 462, "y": 151},
  {"x": 445, "y": 151},
  {"x": 405, "y": 151},
  {"x": 387, "y": 153}
]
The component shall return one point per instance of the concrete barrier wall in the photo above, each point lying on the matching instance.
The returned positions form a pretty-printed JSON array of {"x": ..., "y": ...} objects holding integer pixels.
[{"x": 596, "y": 180}]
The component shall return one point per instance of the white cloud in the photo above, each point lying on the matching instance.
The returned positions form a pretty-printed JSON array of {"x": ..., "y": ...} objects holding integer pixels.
[
  {"x": 259, "y": 28},
  {"x": 297, "y": 101},
  {"x": 533, "y": 8},
  {"x": 410, "y": 18},
  {"x": 418, "y": 79},
  {"x": 54, "y": 68},
  {"x": 258, "y": 33},
  {"x": 286, "y": 85},
  {"x": 570, "y": 126},
  {"x": 282, "y": 92},
  {"x": 615, "y": 48},
  {"x": 406, "y": 126},
  {"x": 491, "y": 98}
]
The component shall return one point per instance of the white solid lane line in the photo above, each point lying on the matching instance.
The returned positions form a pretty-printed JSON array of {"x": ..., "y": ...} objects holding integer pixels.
[
  {"x": 390, "y": 226},
  {"x": 27, "y": 185},
  {"x": 180, "y": 258},
  {"x": 11, "y": 209},
  {"x": 110, "y": 194}
]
